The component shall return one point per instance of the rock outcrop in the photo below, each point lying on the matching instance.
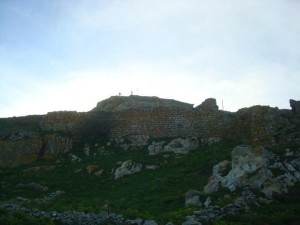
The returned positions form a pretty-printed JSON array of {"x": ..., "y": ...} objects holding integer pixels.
[
  {"x": 55, "y": 145},
  {"x": 177, "y": 146},
  {"x": 192, "y": 197},
  {"x": 13, "y": 153},
  {"x": 121, "y": 103},
  {"x": 127, "y": 168},
  {"x": 257, "y": 168}
]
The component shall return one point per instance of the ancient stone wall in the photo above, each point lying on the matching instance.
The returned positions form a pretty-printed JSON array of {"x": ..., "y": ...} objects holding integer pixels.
[
  {"x": 172, "y": 122},
  {"x": 261, "y": 125},
  {"x": 55, "y": 133},
  {"x": 66, "y": 121}
]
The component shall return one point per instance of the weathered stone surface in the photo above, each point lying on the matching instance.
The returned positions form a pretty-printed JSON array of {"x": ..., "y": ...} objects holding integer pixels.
[
  {"x": 150, "y": 222},
  {"x": 66, "y": 121},
  {"x": 127, "y": 168},
  {"x": 178, "y": 146},
  {"x": 207, "y": 202},
  {"x": 121, "y": 103},
  {"x": 245, "y": 160},
  {"x": 252, "y": 167},
  {"x": 156, "y": 147},
  {"x": 209, "y": 105},
  {"x": 138, "y": 119},
  {"x": 295, "y": 105},
  {"x": 13, "y": 153},
  {"x": 192, "y": 197},
  {"x": 182, "y": 146},
  {"x": 55, "y": 145}
]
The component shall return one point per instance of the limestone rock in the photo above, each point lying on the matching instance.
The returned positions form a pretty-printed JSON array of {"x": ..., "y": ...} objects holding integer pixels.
[
  {"x": 245, "y": 161},
  {"x": 121, "y": 103},
  {"x": 74, "y": 158},
  {"x": 55, "y": 145},
  {"x": 192, "y": 197},
  {"x": 156, "y": 147},
  {"x": 182, "y": 146},
  {"x": 295, "y": 105},
  {"x": 150, "y": 222},
  {"x": 213, "y": 184},
  {"x": 14, "y": 153},
  {"x": 207, "y": 202},
  {"x": 177, "y": 146},
  {"x": 127, "y": 168},
  {"x": 209, "y": 105},
  {"x": 252, "y": 167}
]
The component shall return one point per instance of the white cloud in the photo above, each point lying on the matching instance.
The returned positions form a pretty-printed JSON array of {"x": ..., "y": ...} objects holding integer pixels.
[{"x": 244, "y": 52}]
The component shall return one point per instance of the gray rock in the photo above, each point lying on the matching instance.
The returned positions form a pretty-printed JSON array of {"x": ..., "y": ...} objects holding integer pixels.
[
  {"x": 32, "y": 186},
  {"x": 252, "y": 167},
  {"x": 182, "y": 146},
  {"x": 169, "y": 223},
  {"x": 127, "y": 168},
  {"x": 191, "y": 220},
  {"x": 150, "y": 222},
  {"x": 192, "y": 197},
  {"x": 207, "y": 202},
  {"x": 156, "y": 147}
]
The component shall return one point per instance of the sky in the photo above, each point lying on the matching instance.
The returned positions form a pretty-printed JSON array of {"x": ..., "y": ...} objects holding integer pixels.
[{"x": 70, "y": 54}]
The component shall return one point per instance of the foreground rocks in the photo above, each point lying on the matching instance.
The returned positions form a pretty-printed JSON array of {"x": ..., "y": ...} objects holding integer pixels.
[
  {"x": 127, "y": 168},
  {"x": 75, "y": 217},
  {"x": 257, "y": 168},
  {"x": 177, "y": 146}
]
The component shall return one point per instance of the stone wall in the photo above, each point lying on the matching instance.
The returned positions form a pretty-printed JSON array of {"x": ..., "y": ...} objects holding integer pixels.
[
  {"x": 171, "y": 122},
  {"x": 66, "y": 121},
  {"x": 55, "y": 133},
  {"x": 262, "y": 125}
]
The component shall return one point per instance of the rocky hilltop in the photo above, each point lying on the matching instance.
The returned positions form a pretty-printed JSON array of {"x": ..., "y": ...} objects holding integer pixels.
[
  {"x": 133, "y": 121},
  {"x": 122, "y": 103}
]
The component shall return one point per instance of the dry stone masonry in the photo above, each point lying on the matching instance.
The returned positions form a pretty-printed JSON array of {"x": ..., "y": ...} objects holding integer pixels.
[{"x": 137, "y": 119}]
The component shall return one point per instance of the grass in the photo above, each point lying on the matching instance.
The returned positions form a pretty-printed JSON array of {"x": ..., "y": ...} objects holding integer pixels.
[{"x": 157, "y": 194}]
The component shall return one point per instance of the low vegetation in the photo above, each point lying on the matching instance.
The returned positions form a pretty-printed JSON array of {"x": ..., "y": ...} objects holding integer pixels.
[{"x": 151, "y": 194}]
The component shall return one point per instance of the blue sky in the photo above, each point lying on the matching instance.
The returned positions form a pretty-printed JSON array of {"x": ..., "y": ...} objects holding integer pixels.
[{"x": 70, "y": 54}]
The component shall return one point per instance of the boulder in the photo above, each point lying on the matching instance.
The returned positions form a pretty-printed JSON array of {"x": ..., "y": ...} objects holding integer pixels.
[
  {"x": 150, "y": 222},
  {"x": 245, "y": 162},
  {"x": 127, "y": 168},
  {"x": 156, "y": 147},
  {"x": 207, "y": 202},
  {"x": 192, "y": 197},
  {"x": 177, "y": 146},
  {"x": 258, "y": 169},
  {"x": 182, "y": 146}
]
